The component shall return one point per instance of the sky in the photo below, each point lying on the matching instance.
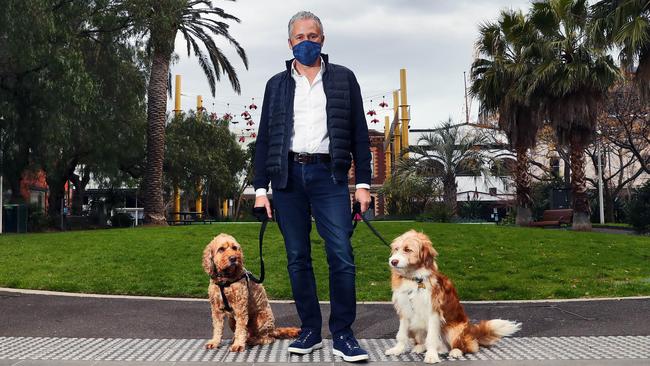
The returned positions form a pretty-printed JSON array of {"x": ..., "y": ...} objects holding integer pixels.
[{"x": 432, "y": 39}]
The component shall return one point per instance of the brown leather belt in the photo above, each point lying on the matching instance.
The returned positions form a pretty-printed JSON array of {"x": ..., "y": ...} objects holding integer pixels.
[{"x": 305, "y": 158}]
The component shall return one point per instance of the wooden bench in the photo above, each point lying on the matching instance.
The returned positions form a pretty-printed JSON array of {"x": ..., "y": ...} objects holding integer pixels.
[{"x": 555, "y": 218}]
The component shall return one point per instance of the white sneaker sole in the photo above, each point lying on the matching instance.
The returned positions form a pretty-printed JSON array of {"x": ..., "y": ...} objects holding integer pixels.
[
  {"x": 304, "y": 351},
  {"x": 349, "y": 358}
]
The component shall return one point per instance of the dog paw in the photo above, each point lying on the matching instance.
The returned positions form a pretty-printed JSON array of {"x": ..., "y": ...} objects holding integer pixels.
[
  {"x": 431, "y": 357},
  {"x": 455, "y": 353},
  {"x": 212, "y": 344},
  {"x": 397, "y": 350},
  {"x": 419, "y": 348},
  {"x": 237, "y": 348}
]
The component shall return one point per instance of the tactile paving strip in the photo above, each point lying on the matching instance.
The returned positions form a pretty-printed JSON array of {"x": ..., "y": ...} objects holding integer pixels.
[{"x": 173, "y": 350}]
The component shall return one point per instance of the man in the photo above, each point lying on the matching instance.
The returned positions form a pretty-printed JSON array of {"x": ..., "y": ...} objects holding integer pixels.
[{"x": 312, "y": 125}]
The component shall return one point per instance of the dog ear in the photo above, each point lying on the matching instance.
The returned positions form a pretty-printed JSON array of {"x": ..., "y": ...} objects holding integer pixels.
[
  {"x": 427, "y": 253},
  {"x": 208, "y": 264}
]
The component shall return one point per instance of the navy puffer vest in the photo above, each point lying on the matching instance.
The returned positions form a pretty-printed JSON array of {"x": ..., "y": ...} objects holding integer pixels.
[{"x": 346, "y": 127}]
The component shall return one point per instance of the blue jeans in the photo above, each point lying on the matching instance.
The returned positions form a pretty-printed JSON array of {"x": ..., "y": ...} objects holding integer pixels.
[{"x": 312, "y": 191}]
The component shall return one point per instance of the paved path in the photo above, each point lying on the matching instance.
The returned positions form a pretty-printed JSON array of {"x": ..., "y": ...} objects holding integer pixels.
[{"x": 51, "y": 329}]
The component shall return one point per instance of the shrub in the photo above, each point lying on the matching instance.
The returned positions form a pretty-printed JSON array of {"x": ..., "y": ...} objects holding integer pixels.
[
  {"x": 37, "y": 219},
  {"x": 121, "y": 219},
  {"x": 639, "y": 209},
  {"x": 541, "y": 195},
  {"x": 436, "y": 212},
  {"x": 510, "y": 219}
]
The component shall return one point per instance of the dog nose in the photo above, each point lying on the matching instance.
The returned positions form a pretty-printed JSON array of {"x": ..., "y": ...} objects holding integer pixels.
[
  {"x": 394, "y": 262},
  {"x": 233, "y": 258}
]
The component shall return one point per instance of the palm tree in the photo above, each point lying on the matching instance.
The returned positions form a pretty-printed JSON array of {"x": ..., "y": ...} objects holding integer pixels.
[
  {"x": 199, "y": 23},
  {"x": 625, "y": 24},
  {"x": 500, "y": 75},
  {"x": 443, "y": 154},
  {"x": 575, "y": 77}
]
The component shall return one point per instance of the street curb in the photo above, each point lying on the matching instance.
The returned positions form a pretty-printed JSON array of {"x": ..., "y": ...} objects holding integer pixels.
[{"x": 189, "y": 299}]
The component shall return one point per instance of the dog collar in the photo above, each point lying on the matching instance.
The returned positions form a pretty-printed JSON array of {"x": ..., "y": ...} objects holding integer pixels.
[
  {"x": 418, "y": 280},
  {"x": 223, "y": 285}
]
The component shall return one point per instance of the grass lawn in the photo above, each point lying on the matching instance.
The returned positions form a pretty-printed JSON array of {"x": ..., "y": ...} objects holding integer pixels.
[{"x": 485, "y": 262}]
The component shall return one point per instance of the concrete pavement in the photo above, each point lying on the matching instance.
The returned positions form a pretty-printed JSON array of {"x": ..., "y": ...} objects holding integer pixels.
[{"x": 101, "y": 330}]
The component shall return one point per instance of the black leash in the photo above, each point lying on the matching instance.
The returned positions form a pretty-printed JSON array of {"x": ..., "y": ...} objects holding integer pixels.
[
  {"x": 260, "y": 214},
  {"x": 357, "y": 216}
]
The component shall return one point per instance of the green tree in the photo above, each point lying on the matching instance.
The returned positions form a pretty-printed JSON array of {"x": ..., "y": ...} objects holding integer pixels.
[
  {"x": 445, "y": 153},
  {"x": 575, "y": 77},
  {"x": 625, "y": 25},
  {"x": 500, "y": 77},
  {"x": 75, "y": 99},
  {"x": 247, "y": 178},
  {"x": 639, "y": 209},
  {"x": 201, "y": 150},
  {"x": 161, "y": 20},
  {"x": 409, "y": 192}
]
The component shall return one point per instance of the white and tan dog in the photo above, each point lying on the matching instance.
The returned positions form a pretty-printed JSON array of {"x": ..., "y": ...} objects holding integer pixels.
[{"x": 428, "y": 307}]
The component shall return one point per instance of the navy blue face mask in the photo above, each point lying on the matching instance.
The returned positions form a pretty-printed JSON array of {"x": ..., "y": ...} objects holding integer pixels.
[{"x": 307, "y": 52}]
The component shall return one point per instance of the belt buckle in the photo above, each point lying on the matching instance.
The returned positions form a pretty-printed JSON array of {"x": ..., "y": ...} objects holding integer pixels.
[{"x": 303, "y": 158}]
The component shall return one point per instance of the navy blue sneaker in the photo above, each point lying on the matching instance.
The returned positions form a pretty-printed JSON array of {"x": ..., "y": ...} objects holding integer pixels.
[
  {"x": 308, "y": 340},
  {"x": 346, "y": 346}
]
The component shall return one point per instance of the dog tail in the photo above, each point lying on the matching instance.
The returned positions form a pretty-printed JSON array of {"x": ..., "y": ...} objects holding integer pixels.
[
  {"x": 284, "y": 333},
  {"x": 488, "y": 332}
]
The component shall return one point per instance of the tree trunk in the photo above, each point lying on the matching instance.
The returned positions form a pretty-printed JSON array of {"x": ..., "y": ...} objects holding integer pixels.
[
  {"x": 80, "y": 184},
  {"x": 154, "y": 208},
  {"x": 56, "y": 193},
  {"x": 56, "y": 178},
  {"x": 522, "y": 183},
  {"x": 450, "y": 194},
  {"x": 581, "y": 217}
]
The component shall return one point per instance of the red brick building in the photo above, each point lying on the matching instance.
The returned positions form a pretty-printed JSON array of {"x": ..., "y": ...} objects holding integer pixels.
[
  {"x": 378, "y": 174},
  {"x": 34, "y": 189}
]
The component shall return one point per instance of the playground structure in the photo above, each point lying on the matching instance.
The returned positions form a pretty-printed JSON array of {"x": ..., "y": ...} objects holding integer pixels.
[{"x": 396, "y": 133}]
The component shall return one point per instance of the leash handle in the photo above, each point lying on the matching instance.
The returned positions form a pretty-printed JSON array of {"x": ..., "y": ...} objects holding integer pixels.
[
  {"x": 358, "y": 216},
  {"x": 260, "y": 214}
]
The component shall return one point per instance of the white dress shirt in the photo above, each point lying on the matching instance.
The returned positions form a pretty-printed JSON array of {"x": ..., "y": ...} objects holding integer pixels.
[{"x": 309, "y": 133}]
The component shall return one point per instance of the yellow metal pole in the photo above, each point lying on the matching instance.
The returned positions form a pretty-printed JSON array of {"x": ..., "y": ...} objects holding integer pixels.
[
  {"x": 177, "y": 111},
  {"x": 387, "y": 152},
  {"x": 199, "y": 200},
  {"x": 199, "y": 105},
  {"x": 177, "y": 95},
  {"x": 405, "y": 111},
  {"x": 397, "y": 141},
  {"x": 199, "y": 186},
  {"x": 225, "y": 208}
]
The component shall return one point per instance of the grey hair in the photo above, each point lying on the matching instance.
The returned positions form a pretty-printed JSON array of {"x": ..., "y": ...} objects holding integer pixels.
[{"x": 304, "y": 15}]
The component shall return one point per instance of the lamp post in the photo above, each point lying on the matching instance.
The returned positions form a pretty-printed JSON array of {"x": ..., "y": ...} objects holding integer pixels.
[{"x": 601, "y": 208}]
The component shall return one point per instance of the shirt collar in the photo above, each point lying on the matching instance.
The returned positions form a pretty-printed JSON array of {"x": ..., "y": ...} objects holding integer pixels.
[{"x": 295, "y": 73}]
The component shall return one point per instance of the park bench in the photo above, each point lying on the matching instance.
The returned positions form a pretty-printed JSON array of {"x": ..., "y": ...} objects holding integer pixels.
[
  {"x": 555, "y": 218},
  {"x": 188, "y": 218}
]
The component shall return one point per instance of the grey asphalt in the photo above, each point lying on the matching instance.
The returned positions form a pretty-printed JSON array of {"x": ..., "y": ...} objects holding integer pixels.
[{"x": 68, "y": 316}]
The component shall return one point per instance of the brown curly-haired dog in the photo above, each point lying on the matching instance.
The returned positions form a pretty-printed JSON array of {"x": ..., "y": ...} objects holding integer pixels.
[{"x": 250, "y": 315}]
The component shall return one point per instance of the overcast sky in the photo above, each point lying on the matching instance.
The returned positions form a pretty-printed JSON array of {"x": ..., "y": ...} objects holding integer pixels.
[{"x": 432, "y": 39}]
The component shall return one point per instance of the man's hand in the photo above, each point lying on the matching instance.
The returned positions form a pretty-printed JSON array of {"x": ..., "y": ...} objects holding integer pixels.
[
  {"x": 263, "y": 201},
  {"x": 362, "y": 196}
]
